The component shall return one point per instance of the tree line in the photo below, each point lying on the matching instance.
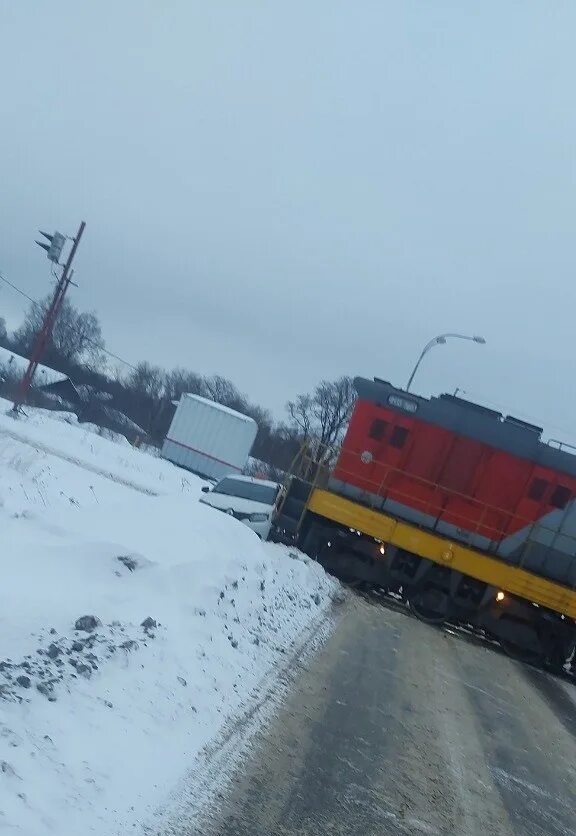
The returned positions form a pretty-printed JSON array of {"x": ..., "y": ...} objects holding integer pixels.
[{"x": 146, "y": 393}]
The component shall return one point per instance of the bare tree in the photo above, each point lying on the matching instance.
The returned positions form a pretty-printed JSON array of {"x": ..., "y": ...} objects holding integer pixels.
[
  {"x": 262, "y": 416},
  {"x": 301, "y": 412},
  {"x": 223, "y": 391},
  {"x": 76, "y": 337},
  {"x": 146, "y": 381},
  {"x": 333, "y": 402},
  {"x": 322, "y": 417},
  {"x": 144, "y": 398},
  {"x": 179, "y": 381}
]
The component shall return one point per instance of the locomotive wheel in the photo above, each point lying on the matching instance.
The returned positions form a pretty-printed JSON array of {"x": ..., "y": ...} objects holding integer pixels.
[{"x": 429, "y": 606}]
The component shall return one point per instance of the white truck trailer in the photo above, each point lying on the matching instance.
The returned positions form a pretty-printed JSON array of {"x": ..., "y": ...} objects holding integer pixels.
[{"x": 208, "y": 438}]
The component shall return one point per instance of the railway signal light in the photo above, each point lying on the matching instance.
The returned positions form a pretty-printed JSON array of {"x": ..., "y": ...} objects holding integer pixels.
[
  {"x": 55, "y": 245},
  {"x": 53, "y": 250}
]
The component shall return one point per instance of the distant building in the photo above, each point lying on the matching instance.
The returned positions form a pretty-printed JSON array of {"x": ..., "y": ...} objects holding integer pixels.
[
  {"x": 13, "y": 367},
  {"x": 55, "y": 390}
]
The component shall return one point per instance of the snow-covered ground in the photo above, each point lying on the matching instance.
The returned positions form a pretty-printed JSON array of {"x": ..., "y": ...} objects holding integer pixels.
[{"x": 193, "y": 614}]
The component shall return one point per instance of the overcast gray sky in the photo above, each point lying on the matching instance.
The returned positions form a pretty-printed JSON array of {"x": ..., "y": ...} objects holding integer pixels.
[{"x": 284, "y": 191}]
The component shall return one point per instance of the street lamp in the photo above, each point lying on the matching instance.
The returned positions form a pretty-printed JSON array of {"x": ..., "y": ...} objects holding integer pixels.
[{"x": 440, "y": 341}]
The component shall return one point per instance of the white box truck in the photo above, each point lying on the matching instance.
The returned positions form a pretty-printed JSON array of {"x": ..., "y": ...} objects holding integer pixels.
[{"x": 208, "y": 438}]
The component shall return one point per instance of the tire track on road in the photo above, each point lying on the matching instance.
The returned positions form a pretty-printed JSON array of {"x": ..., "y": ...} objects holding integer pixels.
[{"x": 396, "y": 727}]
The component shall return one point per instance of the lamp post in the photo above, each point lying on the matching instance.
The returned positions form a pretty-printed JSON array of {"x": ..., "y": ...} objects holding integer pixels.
[{"x": 440, "y": 340}]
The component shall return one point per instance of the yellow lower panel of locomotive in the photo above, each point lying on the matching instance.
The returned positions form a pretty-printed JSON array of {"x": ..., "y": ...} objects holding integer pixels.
[{"x": 445, "y": 552}]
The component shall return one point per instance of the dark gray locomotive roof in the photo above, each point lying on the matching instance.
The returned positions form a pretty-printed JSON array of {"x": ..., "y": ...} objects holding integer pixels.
[{"x": 471, "y": 420}]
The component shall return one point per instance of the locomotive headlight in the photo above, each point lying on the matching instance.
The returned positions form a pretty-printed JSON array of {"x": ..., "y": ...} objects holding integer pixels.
[
  {"x": 500, "y": 596},
  {"x": 382, "y": 548}
]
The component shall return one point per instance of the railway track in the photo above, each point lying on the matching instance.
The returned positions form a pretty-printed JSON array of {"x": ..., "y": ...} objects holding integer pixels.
[{"x": 464, "y": 632}]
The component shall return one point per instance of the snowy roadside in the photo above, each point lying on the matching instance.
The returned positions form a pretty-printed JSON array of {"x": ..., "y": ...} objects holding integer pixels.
[
  {"x": 59, "y": 434},
  {"x": 99, "y": 723},
  {"x": 198, "y": 792}
]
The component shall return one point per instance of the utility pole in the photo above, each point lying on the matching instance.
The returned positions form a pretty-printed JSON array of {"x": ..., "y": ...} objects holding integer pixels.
[{"x": 51, "y": 314}]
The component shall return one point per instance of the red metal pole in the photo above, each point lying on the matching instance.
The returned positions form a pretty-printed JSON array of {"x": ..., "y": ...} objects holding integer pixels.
[{"x": 47, "y": 325}]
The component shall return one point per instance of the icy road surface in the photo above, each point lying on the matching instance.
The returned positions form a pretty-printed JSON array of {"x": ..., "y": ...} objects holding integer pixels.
[{"x": 395, "y": 727}]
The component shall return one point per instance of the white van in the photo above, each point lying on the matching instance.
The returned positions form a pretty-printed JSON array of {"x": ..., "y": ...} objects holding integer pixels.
[{"x": 253, "y": 501}]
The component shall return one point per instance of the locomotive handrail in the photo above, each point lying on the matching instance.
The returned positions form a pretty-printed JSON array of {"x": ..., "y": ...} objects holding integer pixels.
[
  {"x": 431, "y": 506},
  {"x": 561, "y": 444}
]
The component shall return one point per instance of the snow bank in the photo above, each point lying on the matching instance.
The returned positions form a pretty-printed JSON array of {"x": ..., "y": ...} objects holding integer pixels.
[
  {"x": 59, "y": 433},
  {"x": 193, "y": 611}
]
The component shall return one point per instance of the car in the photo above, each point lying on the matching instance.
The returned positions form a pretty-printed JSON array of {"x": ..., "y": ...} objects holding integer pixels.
[{"x": 253, "y": 501}]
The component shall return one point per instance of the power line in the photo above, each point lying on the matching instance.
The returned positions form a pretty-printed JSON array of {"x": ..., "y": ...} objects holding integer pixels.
[
  {"x": 478, "y": 395},
  {"x": 18, "y": 290},
  {"x": 38, "y": 304}
]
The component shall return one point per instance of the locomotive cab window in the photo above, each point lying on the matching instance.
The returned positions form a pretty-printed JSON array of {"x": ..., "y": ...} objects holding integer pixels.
[
  {"x": 560, "y": 496},
  {"x": 398, "y": 437},
  {"x": 537, "y": 489},
  {"x": 378, "y": 429}
]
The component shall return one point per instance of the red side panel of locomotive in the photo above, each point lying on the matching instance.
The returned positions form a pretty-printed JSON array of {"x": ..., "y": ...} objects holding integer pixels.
[{"x": 436, "y": 476}]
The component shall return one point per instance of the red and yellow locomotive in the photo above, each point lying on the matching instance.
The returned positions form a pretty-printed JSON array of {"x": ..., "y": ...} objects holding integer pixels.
[{"x": 463, "y": 510}]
